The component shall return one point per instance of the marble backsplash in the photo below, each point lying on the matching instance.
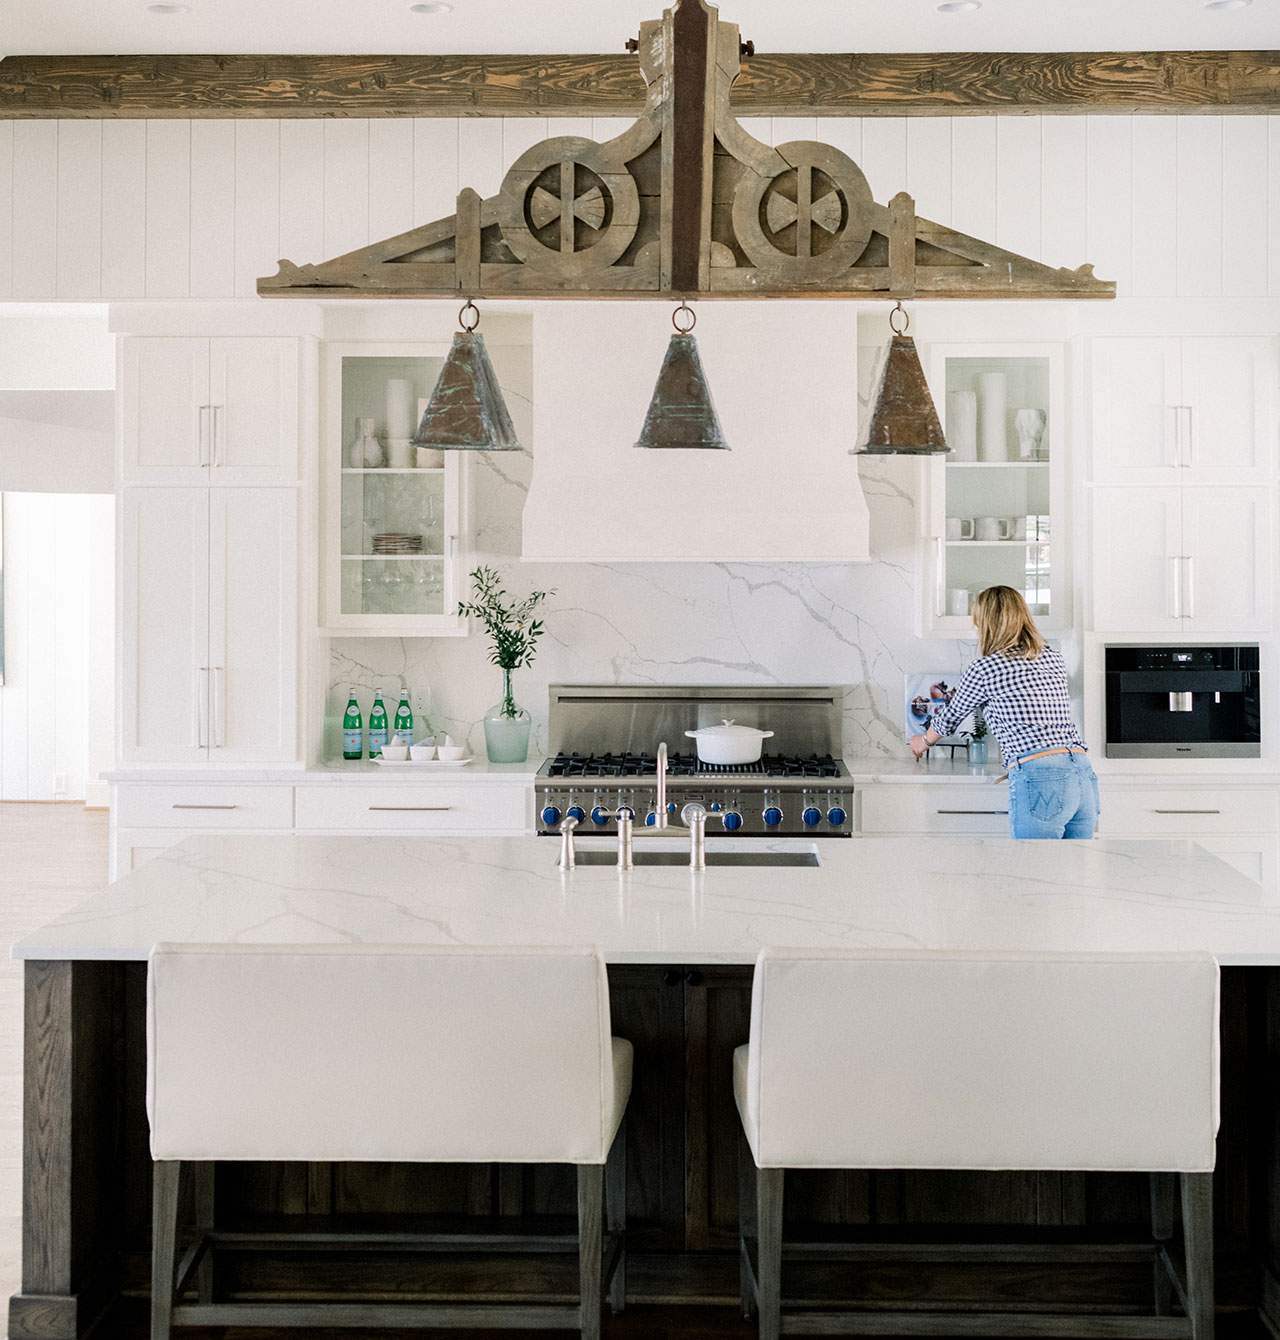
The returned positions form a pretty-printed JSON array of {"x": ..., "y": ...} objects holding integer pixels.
[{"x": 672, "y": 623}]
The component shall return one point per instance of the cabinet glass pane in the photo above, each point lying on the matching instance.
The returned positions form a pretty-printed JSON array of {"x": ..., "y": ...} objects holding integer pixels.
[
  {"x": 384, "y": 511},
  {"x": 998, "y": 486},
  {"x": 392, "y": 586}
]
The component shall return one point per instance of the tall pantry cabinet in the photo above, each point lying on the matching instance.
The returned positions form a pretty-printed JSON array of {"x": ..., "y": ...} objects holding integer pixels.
[{"x": 208, "y": 461}]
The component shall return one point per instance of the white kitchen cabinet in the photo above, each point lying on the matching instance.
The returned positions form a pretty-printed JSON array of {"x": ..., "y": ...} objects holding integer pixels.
[
  {"x": 164, "y": 625},
  {"x": 995, "y": 511},
  {"x": 973, "y": 808},
  {"x": 253, "y": 621},
  {"x": 392, "y": 538},
  {"x": 1169, "y": 559},
  {"x": 208, "y": 622},
  {"x": 220, "y": 411},
  {"x": 1192, "y": 410}
]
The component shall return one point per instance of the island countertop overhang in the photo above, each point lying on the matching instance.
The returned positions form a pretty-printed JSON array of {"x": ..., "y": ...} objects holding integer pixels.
[{"x": 867, "y": 893}]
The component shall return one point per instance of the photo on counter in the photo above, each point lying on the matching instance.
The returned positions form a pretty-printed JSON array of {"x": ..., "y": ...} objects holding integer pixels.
[{"x": 926, "y": 697}]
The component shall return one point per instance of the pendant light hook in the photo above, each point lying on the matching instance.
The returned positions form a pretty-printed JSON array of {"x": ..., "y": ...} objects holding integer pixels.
[
  {"x": 470, "y": 307},
  {"x": 690, "y": 317},
  {"x": 901, "y": 312}
]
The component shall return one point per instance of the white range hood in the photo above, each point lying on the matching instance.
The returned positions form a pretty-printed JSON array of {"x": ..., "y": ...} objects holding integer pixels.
[{"x": 784, "y": 379}]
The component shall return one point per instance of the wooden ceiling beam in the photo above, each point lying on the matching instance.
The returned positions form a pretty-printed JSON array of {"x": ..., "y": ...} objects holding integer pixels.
[{"x": 582, "y": 85}]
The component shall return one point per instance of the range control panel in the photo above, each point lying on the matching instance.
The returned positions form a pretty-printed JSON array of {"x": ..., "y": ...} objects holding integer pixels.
[{"x": 820, "y": 811}]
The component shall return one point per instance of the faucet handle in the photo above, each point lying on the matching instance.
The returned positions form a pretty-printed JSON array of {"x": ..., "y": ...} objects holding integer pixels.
[{"x": 568, "y": 856}]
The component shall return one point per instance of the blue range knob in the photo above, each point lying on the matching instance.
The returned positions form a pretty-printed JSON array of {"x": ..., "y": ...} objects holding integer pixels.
[
  {"x": 772, "y": 816},
  {"x": 628, "y": 811},
  {"x": 599, "y": 816},
  {"x": 732, "y": 821},
  {"x": 551, "y": 815},
  {"x": 575, "y": 812},
  {"x": 837, "y": 817},
  {"x": 811, "y": 817},
  {"x": 651, "y": 819},
  {"x": 715, "y": 807},
  {"x": 671, "y": 807}
]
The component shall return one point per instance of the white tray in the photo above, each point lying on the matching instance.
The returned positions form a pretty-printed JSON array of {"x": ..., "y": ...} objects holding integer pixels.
[{"x": 424, "y": 763}]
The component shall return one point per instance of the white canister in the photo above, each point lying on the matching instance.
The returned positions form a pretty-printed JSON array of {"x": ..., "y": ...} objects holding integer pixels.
[
  {"x": 400, "y": 401},
  {"x": 962, "y": 425},
  {"x": 400, "y": 453},
  {"x": 993, "y": 528},
  {"x": 958, "y": 600},
  {"x": 993, "y": 416}
]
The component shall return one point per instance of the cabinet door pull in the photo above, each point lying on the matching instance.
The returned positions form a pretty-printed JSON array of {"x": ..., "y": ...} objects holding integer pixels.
[
  {"x": 203, "y": 807},
  {"x": 1186, "y": 811},
  {"x": 1188, "y": 457},
  {"x": 218, "y": 708},
  {"x": 1189, "y": 588},
  {"x": 202, "y": 707},
  {"x": 410, "y": 809},
  {"x": 202, "y": 435},
  {"x": 1175, "y": 587},
  {"x": 217, "y": 455},
  {"x": 972, "y": 811}
]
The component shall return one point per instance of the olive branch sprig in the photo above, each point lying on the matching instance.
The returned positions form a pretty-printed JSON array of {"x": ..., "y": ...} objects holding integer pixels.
[{"x": 509, "y": 622}]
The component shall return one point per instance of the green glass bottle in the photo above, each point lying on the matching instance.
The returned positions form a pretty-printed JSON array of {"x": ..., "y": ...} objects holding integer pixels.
[
  {"x": 378, "y": 733},
  {"x": 352, "y": 729},
  {"x": 404, "y": 718}
]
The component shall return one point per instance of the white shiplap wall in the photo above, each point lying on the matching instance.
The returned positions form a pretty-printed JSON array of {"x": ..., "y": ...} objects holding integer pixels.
[{"x": 1166, "y": 206}]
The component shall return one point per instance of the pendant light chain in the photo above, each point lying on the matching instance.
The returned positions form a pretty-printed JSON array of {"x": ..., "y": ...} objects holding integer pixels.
[
  {"x": 689, "y": 315},
  {"x": 469, "y": 306},
  {"x": 899, "y": 311}
]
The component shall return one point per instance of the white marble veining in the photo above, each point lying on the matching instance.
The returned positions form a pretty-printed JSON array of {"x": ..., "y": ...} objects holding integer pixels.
[
  {"x": 675, "y": 623},
  {"x": 954, "y": 893}
]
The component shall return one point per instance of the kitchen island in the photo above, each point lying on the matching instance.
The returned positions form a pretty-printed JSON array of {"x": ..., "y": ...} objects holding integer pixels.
[{"x": 680, "y": 947}]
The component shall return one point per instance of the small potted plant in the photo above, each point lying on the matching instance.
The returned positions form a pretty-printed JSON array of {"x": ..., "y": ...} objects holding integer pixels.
[
  {"x": 514, "y": 632},
  {"x": 978, "y": 739}
]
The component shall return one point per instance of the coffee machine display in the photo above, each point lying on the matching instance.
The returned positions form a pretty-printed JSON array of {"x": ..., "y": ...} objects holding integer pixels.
[{"x": 1183, "y": 702}]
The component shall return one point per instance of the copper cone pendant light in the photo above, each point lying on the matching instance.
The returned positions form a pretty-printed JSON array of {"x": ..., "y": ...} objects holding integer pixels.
[
  {"x": 681, "y": 413},
  {"x": 466, "y": 411},
  {"x": 904, "y": 421}
]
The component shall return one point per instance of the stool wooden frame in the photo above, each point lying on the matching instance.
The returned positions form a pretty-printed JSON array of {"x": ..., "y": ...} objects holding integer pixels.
[
  {"x": 761, "y": 1254},
  {"x": 600, "y": 1243}
]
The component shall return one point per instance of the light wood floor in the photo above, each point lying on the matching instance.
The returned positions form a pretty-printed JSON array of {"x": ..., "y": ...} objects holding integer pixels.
[{"x": 51, "y": 856}]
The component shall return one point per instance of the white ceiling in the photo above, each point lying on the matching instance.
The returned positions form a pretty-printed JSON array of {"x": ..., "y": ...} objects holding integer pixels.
[{"x": 388, "y": 26}]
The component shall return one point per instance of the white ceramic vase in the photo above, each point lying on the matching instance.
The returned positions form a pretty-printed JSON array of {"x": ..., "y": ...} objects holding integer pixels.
[
  {"x": 962, "y": 425},
  {"x": 993, "y": 416},
  {"x": 366, "y": 450}
]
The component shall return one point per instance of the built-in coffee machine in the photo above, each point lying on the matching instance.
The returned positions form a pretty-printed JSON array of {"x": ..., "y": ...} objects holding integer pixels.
[{"x": 1183, "y": 702}]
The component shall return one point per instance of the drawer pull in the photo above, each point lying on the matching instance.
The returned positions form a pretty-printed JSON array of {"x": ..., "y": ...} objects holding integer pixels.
[
  {"x": 973, "y": 811},
  {"x": 204, "y": 807},
  {"x": 1186, "y": 811},
  {"x": 411, "y": 809}
]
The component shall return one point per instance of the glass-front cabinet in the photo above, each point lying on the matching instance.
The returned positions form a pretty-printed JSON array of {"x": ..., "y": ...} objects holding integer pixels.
[
  {"x": 994, "y": 515},
  {"x": 392, "y": 537}
]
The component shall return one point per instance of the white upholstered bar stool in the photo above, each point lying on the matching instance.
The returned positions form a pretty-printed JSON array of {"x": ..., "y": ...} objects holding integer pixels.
[
  {"x": 395, "y": 1054},
  {"x": 906, "y": 1060}
]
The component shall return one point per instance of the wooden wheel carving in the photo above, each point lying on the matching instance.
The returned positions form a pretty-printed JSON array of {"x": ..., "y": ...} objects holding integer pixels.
[
  {"x": 809, "y": 222},
  {"x": 566, "y": 209}
]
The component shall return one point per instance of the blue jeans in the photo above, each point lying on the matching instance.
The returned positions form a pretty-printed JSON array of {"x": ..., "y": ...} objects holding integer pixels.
[{"x": 1055, "y": 797}]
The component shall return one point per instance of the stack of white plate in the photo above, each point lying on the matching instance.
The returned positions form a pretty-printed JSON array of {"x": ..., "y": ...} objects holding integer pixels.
[{"x": 395, "y": 542}]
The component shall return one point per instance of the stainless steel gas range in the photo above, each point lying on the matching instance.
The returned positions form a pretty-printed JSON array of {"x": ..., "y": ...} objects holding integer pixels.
[{"x": 604, "y": 744}]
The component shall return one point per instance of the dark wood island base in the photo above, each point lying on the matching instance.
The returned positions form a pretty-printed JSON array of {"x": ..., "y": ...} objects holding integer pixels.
[{"x": 994, "y": 1241}]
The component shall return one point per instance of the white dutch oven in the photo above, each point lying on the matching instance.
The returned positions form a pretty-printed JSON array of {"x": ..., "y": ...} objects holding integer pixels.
[{"x": 728, "y": 745}]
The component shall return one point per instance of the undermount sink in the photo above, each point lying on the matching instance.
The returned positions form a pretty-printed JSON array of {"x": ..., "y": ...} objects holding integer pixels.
[{"x": 600, "y": 856}]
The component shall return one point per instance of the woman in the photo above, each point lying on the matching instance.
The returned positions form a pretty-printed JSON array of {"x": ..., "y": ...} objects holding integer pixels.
[{"x": 1021, "y": 684}]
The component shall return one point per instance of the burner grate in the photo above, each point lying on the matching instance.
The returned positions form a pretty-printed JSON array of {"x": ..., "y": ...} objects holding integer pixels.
[{"x": 687, "y": 765}]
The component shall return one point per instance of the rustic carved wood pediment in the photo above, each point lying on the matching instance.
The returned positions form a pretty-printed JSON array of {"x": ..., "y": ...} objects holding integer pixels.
[{"x": 684, "y": 203}]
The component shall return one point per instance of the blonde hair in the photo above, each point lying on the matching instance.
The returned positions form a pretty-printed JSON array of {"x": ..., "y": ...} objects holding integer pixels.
[{"x": 1005, "y": 625}]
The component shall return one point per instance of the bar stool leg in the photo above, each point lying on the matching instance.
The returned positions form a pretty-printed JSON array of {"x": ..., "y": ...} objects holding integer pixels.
[
  {"x": 746, "y": 1224},
  {"x": 769, "y": 1193},
  {"x": 615, "y": 1208},
  {"x": 1164, "y": 1196},
  {"x": 205, "y": 1221},
  {"x": 164, "y": 1235},
  {"x": 590, "y": 1230},
  {"x": 1197, "y": 1233}
]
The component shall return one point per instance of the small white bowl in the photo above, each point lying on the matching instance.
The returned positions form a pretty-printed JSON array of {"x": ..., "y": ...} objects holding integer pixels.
[
  {"x": 395, "y": 753},
  {"x": 451, "y": 753},
  {"x": 422, "y": 753}
]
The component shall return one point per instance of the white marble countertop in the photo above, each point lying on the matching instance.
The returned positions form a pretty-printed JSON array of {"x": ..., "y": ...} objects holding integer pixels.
[
  {"x": 333, "y": 771},
  {"x": 952, "y": 893},
  {"x": 936, "y": 767}
]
